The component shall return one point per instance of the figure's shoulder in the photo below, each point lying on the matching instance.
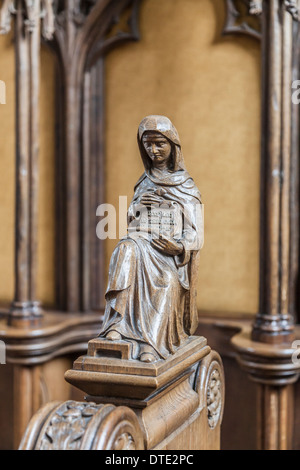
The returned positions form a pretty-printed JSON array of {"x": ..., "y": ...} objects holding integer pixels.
[
  {"x": 190, "y": 186},
  {"x": 139, "y": 181}
]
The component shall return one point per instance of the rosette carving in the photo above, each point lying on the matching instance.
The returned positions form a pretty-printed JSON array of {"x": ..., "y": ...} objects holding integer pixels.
[
  {"x": 209, "y": 384},
  {"x": 214, "y": 398}
]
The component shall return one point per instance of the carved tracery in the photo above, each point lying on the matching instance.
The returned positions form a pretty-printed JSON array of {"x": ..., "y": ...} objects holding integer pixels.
[
  {"x": 32, "y": 18},
  {"x": 244, "y": 16},
  {"x": 84, "y": 33},
  {"x": 80, "y": 33},
  {"x": 33, "y": 11}
]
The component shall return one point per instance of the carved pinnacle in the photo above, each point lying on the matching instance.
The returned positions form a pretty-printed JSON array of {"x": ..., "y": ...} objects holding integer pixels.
[{"x": 33, "y": 10}]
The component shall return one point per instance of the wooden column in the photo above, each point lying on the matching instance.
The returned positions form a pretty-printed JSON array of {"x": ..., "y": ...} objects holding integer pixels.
[
  {"x": 275, "y": 417},
  {"x": 27, "y": 28},
  {"x": 27, "y": 43},
  {"x": 84, "y": 33},
  {"x": 274, "y": 323},
  {"x": 276, "y": 24},
  {"x": 265, "y": 350},
  {"x": 27, "y": 400},
  {"x": 272, "y": 368}
]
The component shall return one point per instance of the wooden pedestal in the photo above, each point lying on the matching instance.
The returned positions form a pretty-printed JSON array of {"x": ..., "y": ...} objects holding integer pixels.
[{"x": 171, "y": 404}]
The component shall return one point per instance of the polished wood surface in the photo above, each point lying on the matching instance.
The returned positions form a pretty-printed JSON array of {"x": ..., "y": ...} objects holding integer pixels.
[
  {"x": 274, "y": 322},
  {"x": 261, "y": 355},
  {"x": 151, "y": 295},
  {"x": 99, "y": 374},
  {"x": 175, "y": 404},
  {"x": 83, "y": 426},
  {"x": 260, "y": 374},
  {"x": 58, "y": 334}
]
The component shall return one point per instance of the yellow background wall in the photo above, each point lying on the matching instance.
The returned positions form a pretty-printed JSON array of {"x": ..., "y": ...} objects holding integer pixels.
[
  {"x": 210, "y": 88},
  {"x": 7, "y": 169},
  {"x": 45, "y": 277}
]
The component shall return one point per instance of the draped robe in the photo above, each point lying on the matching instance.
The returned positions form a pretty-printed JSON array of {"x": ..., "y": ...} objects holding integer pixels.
[{"x": 151, "y": 295}]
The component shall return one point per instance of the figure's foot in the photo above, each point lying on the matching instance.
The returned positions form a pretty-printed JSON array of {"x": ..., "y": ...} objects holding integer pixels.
[
  {"x": 147, "y": 357},
  {"x": 113, "y": 336},
  {"x": 147, "y": 354}
]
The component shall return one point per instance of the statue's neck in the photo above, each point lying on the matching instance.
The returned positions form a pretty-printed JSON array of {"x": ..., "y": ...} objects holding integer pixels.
[{"x": 159, "y": 172}]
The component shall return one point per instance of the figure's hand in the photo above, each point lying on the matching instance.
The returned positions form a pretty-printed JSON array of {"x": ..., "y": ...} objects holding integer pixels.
[
  {"x": 167, "y": 245},
  {"x": 149, "y": 199}
]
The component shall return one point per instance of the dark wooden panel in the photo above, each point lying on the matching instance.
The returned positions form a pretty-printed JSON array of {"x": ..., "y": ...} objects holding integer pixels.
[
  {"x": 6, "y": 407},
  {"x": 296, "y": 433},
  {"x": 238, "y": 430}
]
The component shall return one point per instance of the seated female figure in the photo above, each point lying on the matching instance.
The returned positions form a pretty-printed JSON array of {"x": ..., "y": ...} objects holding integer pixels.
[{"x": 151, "y": 293}]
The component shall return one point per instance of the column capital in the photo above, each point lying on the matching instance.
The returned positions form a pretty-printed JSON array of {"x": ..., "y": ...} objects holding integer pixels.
[{"x": 34, "y": 12}]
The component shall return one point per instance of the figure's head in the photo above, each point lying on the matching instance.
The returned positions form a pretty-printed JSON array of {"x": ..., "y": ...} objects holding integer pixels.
[
  {"x": 159, "y": 143},
  {"x": 158, "y": 149}
]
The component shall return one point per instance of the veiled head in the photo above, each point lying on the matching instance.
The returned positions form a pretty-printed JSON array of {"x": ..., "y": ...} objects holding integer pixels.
[
  {"x": 156, "y": 128},
  {"x": 158, "y": 149}
]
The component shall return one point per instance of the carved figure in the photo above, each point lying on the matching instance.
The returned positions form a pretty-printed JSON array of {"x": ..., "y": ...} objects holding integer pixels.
[{"x": 151, "y": 293}]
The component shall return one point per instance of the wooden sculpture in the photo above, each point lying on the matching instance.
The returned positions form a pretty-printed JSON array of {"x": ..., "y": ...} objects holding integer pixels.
[
  {"x": 149, "y": 382},
  {"x": 150, "y": 299}
]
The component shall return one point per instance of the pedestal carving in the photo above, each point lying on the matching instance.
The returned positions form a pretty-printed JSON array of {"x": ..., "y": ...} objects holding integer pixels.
[
  {"x": 75, "y": 425},
  {"x": 146, "y": 367}
]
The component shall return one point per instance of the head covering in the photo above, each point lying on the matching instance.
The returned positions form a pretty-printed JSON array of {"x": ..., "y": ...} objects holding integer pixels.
[
  {"x": 179, "y": 186},
  {"x": 162, "y": 125}
]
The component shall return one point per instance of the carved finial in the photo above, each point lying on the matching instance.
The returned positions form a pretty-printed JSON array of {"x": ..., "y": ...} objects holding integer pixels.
[
  {"x": 255, "y": 7},
  {"x": 48, "y": 17},
  {"x": 34, "y": 11},
  {"x": 292, "y": 7},
  {"x": 32, "y": 15},
  {"x": 240, "y": 20},
  {"x": 7, "y": 9}
]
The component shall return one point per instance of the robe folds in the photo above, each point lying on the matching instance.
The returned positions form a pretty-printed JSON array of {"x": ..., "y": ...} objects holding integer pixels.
[{"x": 151, "y": 295}]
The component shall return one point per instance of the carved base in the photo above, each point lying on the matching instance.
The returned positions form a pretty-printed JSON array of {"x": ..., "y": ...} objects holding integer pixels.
[
  {"x": 273, "y": 329},
  {"x": 21, "y": 313},
  {"x": 268, "y": 364},
  {"x": 178, "y": 401},
  {"x": 170, "y": 404},
  {"x": 107, "y": 369},
  {"x": 51, "y": 336}
]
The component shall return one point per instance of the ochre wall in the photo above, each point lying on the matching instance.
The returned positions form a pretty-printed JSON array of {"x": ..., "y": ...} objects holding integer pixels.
[
  {"x": 45, "y": 287},
  {"x": 7, "y": 169},
  {"x": 209, "y": 86},
  {"x": 45, "y": 277}
]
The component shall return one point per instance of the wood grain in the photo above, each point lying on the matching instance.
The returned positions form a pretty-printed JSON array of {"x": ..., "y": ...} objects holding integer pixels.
[{"x": 183, "y": 412}]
